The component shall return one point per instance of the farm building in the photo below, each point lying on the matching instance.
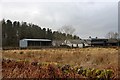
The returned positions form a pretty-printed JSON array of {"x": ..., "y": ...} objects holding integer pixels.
[
  {"x": 102, "y": 42},
  {"x": 24, "y": 43},
  {"x": 74, "y": 43},
  {"x": 98, "y": 42},
  {"x": 113, "y": 42},
  {"x": 70, "y": 43}
]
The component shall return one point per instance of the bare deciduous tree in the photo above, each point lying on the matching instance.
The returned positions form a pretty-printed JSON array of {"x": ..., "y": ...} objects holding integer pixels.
[
  {"x": 112, "y": 35},
  {"x": 68, "y": 29}
]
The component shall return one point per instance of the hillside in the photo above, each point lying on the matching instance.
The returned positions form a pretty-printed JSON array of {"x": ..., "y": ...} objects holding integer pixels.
[{"x": 14, "y": 31}]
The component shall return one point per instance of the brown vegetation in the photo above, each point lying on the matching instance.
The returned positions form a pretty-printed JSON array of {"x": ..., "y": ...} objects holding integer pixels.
[{"x": 99, "y": 58}]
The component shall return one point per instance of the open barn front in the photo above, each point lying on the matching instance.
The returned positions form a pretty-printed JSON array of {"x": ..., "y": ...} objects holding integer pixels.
[
  {"x": 35, "y": 43},
  {"x": 39, "y": 43}
]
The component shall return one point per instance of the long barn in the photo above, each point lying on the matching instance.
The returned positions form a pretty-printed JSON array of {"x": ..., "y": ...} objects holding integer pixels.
[
  {"x": 102, "y": 42},
  {"x": 24, "y": 43}
]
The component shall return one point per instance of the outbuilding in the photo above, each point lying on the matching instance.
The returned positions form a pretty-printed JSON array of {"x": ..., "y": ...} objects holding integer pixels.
[
  {"x": 70, "y": 43},
  {"x": 102, "y": 42},
  {"x": 97, "y": 42},
  {"x": 24, "y": 43},
  {"x": 75, "y": 43}
]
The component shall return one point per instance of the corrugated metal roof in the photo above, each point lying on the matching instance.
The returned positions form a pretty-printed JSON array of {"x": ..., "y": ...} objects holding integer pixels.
[{"x": 36, "y": 39}]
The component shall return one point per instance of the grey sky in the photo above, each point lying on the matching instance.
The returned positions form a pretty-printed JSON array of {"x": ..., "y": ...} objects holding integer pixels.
[{"x": 88, "y": 17}]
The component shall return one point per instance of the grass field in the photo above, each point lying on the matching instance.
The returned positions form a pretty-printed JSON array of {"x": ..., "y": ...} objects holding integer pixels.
[{"x": 97, "y": 58}]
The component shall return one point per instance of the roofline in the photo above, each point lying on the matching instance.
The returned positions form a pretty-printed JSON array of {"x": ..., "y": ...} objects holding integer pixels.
[{"x": 36, "y": 39}]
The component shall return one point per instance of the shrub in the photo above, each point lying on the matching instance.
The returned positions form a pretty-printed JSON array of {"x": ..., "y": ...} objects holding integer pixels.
[{"x": 96, "y": 73}]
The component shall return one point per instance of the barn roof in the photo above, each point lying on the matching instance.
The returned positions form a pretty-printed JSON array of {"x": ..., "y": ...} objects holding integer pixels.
[
  {"x": 98, "y": 39},
  {"x": 75, "y": 41},
  {"x": 36, "y": 39}
]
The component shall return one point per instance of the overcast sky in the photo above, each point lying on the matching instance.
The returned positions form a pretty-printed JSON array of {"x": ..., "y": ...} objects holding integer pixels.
[{"x": 88, "y": 17}]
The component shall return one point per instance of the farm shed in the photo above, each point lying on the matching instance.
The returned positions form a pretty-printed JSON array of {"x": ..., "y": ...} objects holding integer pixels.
[
  {"x": 24, "y": 43},
  {"x": 97, "y": 42}
]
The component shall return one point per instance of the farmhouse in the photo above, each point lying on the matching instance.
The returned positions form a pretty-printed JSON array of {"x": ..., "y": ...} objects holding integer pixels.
[
  {"x": 70, "y": 43},
  {"x": 74, "y": 43},
  {"x": 24, "y": 43}
]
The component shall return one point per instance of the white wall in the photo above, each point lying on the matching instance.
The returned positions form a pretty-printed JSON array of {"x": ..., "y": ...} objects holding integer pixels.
[
  {"x": 87, "y": 45},
  {"x": 75, "y": 45},
  {"x": 23, "y": 43},
  {"x": 80, "y": 45}
]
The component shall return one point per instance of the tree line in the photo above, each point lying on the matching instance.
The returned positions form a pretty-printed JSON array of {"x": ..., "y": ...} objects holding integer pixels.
[{"x": 12, "y": 32}]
